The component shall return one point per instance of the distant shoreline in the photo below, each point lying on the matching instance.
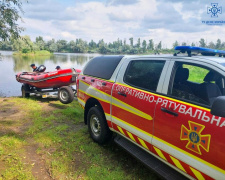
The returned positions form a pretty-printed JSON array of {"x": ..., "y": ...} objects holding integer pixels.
[{"x": 33, "y": 53}]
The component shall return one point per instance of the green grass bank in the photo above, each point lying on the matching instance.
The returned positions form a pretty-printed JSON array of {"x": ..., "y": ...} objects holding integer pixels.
[
  {"x": 32, "y": 53},
  {"x": 44, "y": 139}
]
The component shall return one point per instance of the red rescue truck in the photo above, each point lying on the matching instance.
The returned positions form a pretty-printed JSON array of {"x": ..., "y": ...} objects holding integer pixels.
[{"x": 166, "y": 110}]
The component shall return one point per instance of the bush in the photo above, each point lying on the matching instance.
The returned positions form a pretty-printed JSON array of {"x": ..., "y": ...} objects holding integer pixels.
[{"x": 25, "y": 50}]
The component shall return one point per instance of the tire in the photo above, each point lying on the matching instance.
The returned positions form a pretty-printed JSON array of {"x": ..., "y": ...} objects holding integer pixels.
[
  {"x": 97, "y": 126},
  {"x": 65, "y": 94},
  {"x": 24, "y": 88}
]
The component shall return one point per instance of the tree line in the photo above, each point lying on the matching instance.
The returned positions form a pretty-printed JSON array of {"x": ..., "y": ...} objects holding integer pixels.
[{"x": 24, "y": 44}]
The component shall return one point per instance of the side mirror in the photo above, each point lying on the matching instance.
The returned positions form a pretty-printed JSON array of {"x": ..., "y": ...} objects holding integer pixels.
[{"x": 218, "y": 106}]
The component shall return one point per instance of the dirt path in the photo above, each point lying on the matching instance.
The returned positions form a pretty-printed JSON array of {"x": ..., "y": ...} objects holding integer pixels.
[
  {"x": 39, "y": 169},
  {"x": 12, "y": 121}
]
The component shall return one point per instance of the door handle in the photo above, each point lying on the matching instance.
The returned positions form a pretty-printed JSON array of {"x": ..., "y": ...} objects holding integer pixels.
[
  {"x": 104, "y": 83},
  {"x": 92, "y": 80},
  {"x": 122, "y": 94},
  {"x": 83, "y": 77},
  {"x": 168, "y": 111}
]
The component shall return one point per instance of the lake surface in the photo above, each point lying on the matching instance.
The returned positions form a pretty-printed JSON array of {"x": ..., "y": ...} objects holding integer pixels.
[{"x": 10, "y": 65}]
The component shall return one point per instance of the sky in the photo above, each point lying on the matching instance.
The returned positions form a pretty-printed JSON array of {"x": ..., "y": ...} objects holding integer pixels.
[{"x": 160, "y": 20}]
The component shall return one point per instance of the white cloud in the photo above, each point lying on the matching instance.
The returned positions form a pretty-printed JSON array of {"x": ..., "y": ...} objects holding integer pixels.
[{"x": 160, "y": 20}]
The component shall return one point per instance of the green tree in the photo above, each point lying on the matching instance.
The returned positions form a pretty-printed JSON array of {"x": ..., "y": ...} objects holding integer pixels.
[
  {"x": 53, "y": 47},
  {"x": 159, "y": 46},
  {"x": 62, "y": 45},
  {"x": 184, "y": 44},
  {"x": 81, "y": 46},
  {"x": 131, "y": 42},
  {"x": 48, "y": 44},
  {"x": 103, "y": 49},
  {"x": 218, "y": 44},
  {"x": 192, "y": 44},
  {"x": 9, "y": 15},
  {"x": 175, "y": 44},
  {"x": 24, "y": 44},
  {"x": 71, "y": 46},
  {"x": 6, "y": 45},
  {"x": 124, "y": 42},
  {"x": 139, "y": 43},
  {"x": 202, "y": 43},
  {"x": 92, "y": 44},
  {"x": 40, "y": 42},
  {"x": 144, "y": 46},
  {"x": 211, "y": 45},
  {"x": 151, "y": 44}
]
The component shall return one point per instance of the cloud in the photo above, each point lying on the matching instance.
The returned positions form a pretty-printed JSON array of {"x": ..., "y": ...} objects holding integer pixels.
[
  {"x": 121, "y": 2},
  {"x": 172, "y": 17},
  {"x": 48, "y": 10},
  {"x": 160, "y": 20}
]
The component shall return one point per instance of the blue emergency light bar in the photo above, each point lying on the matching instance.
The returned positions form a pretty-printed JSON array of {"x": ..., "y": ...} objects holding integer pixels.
[{"x": 203, "y": 51}]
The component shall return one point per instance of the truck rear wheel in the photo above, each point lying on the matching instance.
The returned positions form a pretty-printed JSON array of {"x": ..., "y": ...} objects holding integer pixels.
[
  {"x": 24, "y": 89},
  {"x": 97, "y": 126},
  {"x": 65, "y": 94}
]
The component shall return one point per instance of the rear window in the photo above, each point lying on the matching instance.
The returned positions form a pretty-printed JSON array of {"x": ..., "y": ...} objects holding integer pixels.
[{"x": 102, "y": 66}]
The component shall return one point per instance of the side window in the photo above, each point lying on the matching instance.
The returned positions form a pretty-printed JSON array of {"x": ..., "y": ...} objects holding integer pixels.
[
  {"x": 144, "y": 74},
  {"x": 197, "y": 84}
]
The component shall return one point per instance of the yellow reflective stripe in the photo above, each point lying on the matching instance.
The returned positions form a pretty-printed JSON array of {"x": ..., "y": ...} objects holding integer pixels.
[
  {"x": 206, "y": 109},
  {"x": 84, "y": 83},
  {"x": 190, "y": 155},
  {"x": 174, "y": 147},
  {"x": 96, "y": 97},
  {"x": 177, "y": 163},
  {"x": 159, "y": 152},
  {"x": 143, "y": 143},
  {"x": 140, "y": 130},
  {"x": 81, "y": 100},
  {"x": 138, "y": 112},
  {"x": 131, "y": 136},
  {"x": 81, "y": 106},
  {"x": 197, "y": 174},
  {"x": 120, "y": 129}
]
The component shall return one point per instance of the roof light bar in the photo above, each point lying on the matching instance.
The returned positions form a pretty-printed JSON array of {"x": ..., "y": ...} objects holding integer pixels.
[{"x": 203, "y": 51}]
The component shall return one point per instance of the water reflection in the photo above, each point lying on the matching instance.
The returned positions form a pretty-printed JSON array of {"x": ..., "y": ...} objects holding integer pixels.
[
  {"x": 22, "y": 63},
  {"x": 11, "y": 65}
]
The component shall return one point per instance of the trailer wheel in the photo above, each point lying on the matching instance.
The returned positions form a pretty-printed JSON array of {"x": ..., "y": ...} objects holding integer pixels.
[
  {"x": 24, "y": 88},
  {"x": 65, "y": 94},
  {"x": 97, "y": 126}
]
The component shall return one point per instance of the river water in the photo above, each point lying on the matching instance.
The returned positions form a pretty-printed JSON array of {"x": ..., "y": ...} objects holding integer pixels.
[{"x": 10, "y": 65}]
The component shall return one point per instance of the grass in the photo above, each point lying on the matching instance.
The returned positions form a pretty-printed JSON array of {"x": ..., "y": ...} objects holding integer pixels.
[
  {"x": 11, "y": 154},
  {"x": 65, "y": 144},
  {"x": 197, "y": 74},
  {"x": 33, "y": 53}
]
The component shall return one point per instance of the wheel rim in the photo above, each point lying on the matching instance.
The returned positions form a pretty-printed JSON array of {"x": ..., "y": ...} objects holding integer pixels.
[
  {"x": 64, "y": 96},
  {"x": 95, "y": 125}
]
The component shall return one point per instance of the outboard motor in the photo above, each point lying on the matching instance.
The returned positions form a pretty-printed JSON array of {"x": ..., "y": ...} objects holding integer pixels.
[{"x": 41, "y": 68}]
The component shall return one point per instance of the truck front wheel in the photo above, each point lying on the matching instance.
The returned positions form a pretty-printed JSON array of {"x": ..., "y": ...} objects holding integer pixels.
[{"x": 97, "y": 126}]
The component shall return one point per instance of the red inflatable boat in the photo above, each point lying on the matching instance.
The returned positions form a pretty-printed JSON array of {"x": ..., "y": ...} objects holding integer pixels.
[
  {"x": 44, "y": 82},
  {"x": 53, "y": 79}
]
